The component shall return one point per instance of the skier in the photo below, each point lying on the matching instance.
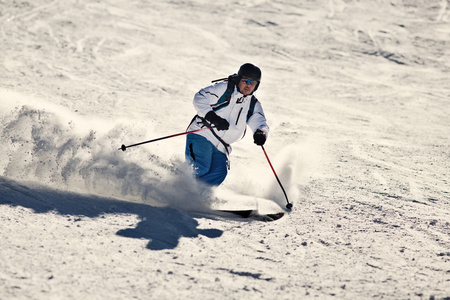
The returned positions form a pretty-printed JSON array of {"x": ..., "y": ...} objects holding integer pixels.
[{"x": 227, "y": 108}]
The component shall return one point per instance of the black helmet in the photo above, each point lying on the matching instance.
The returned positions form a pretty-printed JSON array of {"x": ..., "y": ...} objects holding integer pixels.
[{"x": 250, "y": 71}]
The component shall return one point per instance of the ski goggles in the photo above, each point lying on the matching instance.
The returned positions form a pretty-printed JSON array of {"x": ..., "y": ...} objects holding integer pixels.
[{"x": 248, "y": 81}]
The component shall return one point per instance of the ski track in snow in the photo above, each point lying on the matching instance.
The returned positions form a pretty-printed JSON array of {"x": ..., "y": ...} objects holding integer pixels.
[{"x": 356, "y": 95}]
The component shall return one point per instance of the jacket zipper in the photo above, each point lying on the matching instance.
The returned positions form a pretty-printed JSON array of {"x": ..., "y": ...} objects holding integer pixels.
[{"x": 239, "y": 114}]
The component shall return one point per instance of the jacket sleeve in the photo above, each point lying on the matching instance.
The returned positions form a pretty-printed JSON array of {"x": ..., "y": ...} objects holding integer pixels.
[
  {"x": 206, "y": 97},
  {"x": 258, "y": 120}
]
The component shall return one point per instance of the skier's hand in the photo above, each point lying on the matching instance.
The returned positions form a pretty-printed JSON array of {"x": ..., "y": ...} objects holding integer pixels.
[
  {"x": 259, "y": 137},
  {"x": 214, "y": 119}
]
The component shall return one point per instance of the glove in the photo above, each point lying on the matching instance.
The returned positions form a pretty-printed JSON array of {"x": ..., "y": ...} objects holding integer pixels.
[
  {"x": 259, "y": 137},
  {"x": 214, "y": 119}
]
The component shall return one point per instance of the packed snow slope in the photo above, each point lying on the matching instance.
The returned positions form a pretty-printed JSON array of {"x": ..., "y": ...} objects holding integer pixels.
[{"x": 356, "y": 94}]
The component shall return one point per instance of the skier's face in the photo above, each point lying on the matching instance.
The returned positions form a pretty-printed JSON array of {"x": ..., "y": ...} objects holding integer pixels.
[{"x": 247, "y": 86}]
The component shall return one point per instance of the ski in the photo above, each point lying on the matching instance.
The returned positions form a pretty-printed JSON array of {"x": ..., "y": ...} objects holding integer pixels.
[{"x": 254, "y": 215}]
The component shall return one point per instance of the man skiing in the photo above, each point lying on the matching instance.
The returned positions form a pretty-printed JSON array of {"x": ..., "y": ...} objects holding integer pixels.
[{"x": 226, "y": 108}]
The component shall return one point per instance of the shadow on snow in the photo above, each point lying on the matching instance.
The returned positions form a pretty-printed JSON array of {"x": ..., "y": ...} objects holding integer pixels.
[{"x": 162, "y": 226}]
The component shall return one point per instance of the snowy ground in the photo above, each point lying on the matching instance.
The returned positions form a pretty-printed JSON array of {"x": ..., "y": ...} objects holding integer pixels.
[{"x": 357, "y": 97}]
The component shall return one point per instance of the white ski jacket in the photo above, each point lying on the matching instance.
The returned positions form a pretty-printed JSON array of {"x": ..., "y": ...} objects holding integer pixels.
[{"x": 238, "y": 110}]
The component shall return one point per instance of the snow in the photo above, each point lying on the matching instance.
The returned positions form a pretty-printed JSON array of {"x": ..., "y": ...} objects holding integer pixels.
[{"x": 356, "y": 94}]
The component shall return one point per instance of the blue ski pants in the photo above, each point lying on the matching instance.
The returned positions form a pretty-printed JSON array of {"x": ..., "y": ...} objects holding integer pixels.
[{"x": 209, "y": 164}]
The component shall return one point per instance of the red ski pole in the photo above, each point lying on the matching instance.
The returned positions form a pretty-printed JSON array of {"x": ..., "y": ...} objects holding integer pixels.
[
  {"x": 123, "y": 147},
  {"x": 288, "y": 205}
]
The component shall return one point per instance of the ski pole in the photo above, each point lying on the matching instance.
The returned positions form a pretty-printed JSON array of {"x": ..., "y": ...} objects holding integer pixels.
[
  {"x": 123, "y": 147},
  {"x": 288, "y": 205}
]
